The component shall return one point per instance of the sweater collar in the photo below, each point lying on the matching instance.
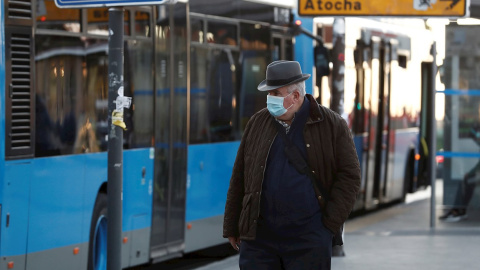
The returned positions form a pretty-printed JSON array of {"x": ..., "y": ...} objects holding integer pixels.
[{"x": 301, "y": 115}]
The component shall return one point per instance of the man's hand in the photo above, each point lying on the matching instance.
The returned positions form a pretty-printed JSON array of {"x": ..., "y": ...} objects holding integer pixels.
[{"x": 235, "y": 242}]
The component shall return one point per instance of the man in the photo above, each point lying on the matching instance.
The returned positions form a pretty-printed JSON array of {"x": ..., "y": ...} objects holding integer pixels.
[
  {"x": 470, "y": 180},
  {"x": 273, "y": 214}
]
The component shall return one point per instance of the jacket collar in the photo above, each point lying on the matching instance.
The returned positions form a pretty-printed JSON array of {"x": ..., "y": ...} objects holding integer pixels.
[{"x": 316, "y": 115}]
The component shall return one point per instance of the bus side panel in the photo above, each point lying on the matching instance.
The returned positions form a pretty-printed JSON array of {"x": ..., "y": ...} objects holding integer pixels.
[
  {"x": 359, "y": 145},
  {"x": 358, "y": 141},
  {"x": 137, "y": 201},
  {"x": 137, "y": 204},
  {"x": 15, "y": 210},
  {"x": 405, "y": 139},
  {"x": 95, "y": 175},
  {"x": 56, "y": 212},
  {"x": 49, "y": 203},
  {"x": 209, "y": 171}
]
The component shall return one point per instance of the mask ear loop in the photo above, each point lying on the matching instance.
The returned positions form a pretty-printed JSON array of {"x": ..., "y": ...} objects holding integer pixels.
[{"x": 285, "y": 98}]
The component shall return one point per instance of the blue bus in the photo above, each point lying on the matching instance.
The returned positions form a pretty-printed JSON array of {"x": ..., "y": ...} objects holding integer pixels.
[
  {"x": 387, "y": 69},
  {"x": 192, "y": 68}
]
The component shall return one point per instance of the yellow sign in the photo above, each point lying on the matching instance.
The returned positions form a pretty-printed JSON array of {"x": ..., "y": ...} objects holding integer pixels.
[{"x": 418, "y": 8}]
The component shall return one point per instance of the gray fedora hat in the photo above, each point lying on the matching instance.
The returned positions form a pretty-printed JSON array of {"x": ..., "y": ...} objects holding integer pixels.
[{"x": 282, "y": 73}]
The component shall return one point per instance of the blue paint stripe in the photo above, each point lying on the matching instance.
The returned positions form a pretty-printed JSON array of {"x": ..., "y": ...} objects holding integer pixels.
[
  {"x": 198, "y": 90},
  {"x": 163, "y": 91},
  {"x": 180, "y": 90},
  {"x": 179, "y": 145},
  {"x": 456, "y": 92},
  {"x": 143, "y": 93},
  {"x": 177, "y": 91},
  {"x": 458, "y": 154},
  {"x": 166, "y": 91},
  {"x": 161, "y": 145}
]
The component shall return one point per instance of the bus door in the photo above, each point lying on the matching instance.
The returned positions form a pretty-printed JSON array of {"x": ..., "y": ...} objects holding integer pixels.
[
  {"x": 384, "y": 120},
  {"x": 169, "y": 187},
  {"x": 378, "y": 106},
  {"x": 360, "y": 118},
  {"x": 372, "y": 140}
]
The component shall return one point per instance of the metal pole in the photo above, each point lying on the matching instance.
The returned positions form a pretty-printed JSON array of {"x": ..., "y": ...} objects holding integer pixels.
[
  {"x": 432, "y": 144},
  {"x": 338, "y": 60},
  {"x": 338, "y": 89},
  {"x": 310, "y": 35},
  {"x": 115, "y": 140}
]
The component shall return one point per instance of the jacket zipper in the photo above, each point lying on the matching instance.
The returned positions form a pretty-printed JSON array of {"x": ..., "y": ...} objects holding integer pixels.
[{"x": 263, "y": 178}]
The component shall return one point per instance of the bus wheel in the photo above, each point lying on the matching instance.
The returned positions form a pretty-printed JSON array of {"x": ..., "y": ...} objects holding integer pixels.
[{"x": 97, "y": 245}]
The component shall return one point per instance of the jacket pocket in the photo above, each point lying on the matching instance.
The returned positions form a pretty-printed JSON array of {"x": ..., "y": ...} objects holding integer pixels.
[{"x": 245, "y": 214}]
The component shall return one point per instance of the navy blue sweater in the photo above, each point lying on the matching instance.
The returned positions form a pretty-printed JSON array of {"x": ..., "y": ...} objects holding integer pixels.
[{"x": 288, "y": 207}]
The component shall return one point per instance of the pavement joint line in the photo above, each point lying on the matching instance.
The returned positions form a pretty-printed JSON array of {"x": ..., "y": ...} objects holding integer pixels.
[
  {"x": 367, "y": 220},
  {"x": 439, "y": 232}
]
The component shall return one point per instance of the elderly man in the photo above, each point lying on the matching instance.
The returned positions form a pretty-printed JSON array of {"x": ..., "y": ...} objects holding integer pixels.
[{"x": 277, "y": 215}]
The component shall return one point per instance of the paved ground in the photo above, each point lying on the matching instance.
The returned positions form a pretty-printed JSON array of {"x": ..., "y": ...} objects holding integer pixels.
[{"x": 400, "y": 238}]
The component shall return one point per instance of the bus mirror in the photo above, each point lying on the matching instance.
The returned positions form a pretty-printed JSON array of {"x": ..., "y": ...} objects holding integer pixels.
[
  {"x": 357, "y": 56},
  {"x": 322, "y": 61},
  {"x": 441, "y": 72}
]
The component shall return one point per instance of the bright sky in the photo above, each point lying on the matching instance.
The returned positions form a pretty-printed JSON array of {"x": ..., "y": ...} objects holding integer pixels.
[{"x": 283, "y": 2}]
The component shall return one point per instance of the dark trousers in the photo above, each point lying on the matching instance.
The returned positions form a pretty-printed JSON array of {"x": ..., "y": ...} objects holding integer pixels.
[
  {"x": 255, "y": 256},
  {"x": 269, "y": 253},
  {"x": 468, "y": 184}
]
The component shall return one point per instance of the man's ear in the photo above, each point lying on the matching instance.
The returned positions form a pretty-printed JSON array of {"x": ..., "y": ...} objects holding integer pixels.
[{"x": 296, "y": 95}]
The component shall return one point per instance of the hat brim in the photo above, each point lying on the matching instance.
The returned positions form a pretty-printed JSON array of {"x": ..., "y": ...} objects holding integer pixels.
[{"x": 264, "y": 87}]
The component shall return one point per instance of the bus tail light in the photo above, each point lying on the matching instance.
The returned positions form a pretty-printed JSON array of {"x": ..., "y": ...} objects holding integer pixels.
[{"x": 10, "y": 265}]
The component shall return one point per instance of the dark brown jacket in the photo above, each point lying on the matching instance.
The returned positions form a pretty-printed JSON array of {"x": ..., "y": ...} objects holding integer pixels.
[{"x": 331, "y": 154}]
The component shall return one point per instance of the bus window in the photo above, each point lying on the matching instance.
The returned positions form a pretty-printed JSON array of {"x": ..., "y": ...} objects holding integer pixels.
[
  {"x": 212, "y": 103},
  {"x": 138, "y": 84},
  {"x": 197, "y": 30},
  {"x": 72, "y": 95},
  {"x": 142, "y": 24},
  {"x": 59, "y": 94},
  {"x": 97, "y": 21},
  {"x": 52, "y": 18},
  {"x": 222, "y": 33},
  {"x": 255, "y": 40}
]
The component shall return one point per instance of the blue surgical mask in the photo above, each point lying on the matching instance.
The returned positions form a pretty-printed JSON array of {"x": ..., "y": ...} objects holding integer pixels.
[{"x": 275, "y": 105}]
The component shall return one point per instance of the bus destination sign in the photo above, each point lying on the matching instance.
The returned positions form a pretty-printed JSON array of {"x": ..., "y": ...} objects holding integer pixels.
[
  {"x": 106, "y": 3},
  {"x": 417, "y": 8}
]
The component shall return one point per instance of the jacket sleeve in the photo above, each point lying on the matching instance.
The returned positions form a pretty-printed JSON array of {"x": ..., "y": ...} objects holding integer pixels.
[
  {"x": 346, "y": 181},
  {"x": 236, "y": 190}
]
